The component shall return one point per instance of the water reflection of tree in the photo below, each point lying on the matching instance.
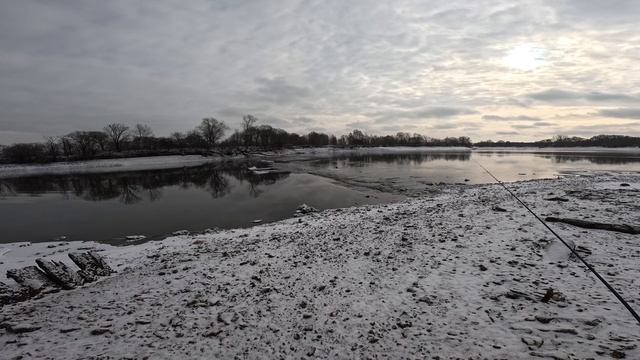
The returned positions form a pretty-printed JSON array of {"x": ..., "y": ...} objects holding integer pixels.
[
  {"x": 594, "y": 159},
  {"x": 408, "y": 159},
  {"x": 134, "y": 187}
]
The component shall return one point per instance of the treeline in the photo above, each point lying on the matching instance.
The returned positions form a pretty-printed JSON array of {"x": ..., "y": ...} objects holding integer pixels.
[
  {"x": 121, "y": 140},
  {"x": 610, "y": 141}
]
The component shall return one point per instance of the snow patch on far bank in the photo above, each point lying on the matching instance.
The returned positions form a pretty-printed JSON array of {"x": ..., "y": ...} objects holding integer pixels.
[{"x": 105, "y": 165}]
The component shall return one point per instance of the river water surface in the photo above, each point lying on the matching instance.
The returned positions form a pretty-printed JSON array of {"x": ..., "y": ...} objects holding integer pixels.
[{"x": 109, "y": 207}]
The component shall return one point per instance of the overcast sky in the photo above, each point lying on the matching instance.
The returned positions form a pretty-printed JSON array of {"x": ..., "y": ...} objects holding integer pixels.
[{"x": 487, "y": 69}]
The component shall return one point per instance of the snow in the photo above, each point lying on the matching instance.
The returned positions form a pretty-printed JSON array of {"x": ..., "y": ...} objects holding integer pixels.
[
  {"x": 107, "y": 165},
  {"x": 563, "y": 150},
  {"x": 439, "y": 275}
]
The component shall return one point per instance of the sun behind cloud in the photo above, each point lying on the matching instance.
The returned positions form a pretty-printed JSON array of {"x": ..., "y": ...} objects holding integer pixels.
[{"x": 525, "y": 57}]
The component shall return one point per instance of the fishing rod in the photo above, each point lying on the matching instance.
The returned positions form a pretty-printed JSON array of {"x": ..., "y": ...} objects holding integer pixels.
[{"x": 573, "y": 251}]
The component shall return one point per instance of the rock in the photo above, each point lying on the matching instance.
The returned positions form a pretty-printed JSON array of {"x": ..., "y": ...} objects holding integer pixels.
[
  {"x": 68, "y": 330},
  {"x": 404, "y": 324},
  {"x": 21, "y": 328},
  {"x": 498, "y": 209},
  {"x": 33, "y": 278},
  {"x": 482, "y": 267},
  {"x": 557, "y": 198},
  {"x": 227, "y": 317},
  {"x": 571, "y": 331},
  {"x": 617, "y": 354},
  {"x": 99, "y": 331},
  {"x": 60, "y": 273},
  {"x": 542, "y": 319},
  {"x": 426, "y": 299},
  {"x": 594, "y": 322},
  {"x": 212, "y": 333},
  {"x": 305, "y": 209},
  {"x": 532, "y": 342},
  {"x": 547, "y": 296}
]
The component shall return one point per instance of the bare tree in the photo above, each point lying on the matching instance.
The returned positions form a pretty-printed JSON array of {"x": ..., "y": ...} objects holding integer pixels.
[
  {"x": 212, "y": 130},
  {"x": 178, "y": 139},
  {"x": 99, "y": 138},
  {"x": 51, "y": 143},
  {"x": 141, "y": 134},
  {"x": 85, "y": 143},
  {"x": 116, "y": 133},
  {"x": 248, "y": 127},
  {"x": 142, "y": 131},
  {"x": 67, "y": 145}
]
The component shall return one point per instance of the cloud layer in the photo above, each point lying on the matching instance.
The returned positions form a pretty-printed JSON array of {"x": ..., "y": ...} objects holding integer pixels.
[{"x": 436, "y": 67}]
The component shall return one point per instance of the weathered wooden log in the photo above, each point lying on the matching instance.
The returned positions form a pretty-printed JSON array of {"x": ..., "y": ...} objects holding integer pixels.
[
  {"x": 623, "y": 228},
  {"x": 90, "y": 268},
  {"x": 52, "y": 276},
  {"x": 14, "y": 294},
  {"x": 60, "y": 273},
  {"x": 32, "y": 278},
  {"x": 102, "y": 263}
]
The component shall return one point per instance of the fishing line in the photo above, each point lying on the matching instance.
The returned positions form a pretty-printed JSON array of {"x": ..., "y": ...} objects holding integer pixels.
[{"x": 573, "y": 251}]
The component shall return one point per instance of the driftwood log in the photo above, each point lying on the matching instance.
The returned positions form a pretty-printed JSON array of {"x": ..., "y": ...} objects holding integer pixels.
[
  {"x": 51, "y": 276},
  {"x": 623, "y": 228},
  {"x": 60, "y": 273},
  {"x": 33, "y": 278},
  {"x": 91, "y": 265},
  {"x": 16, "y": 293}
]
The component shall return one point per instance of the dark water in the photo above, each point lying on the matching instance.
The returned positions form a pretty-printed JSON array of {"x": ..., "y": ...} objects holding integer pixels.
[
  {"x": 104, "y": 207},
  {"x": 108, "y": 207}
]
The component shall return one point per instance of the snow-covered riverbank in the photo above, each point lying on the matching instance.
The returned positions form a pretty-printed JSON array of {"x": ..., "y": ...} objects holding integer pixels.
[
  {"x": 106, "y": 165},
  {"x": 177, "y": 161},
  {"x": 449, "y": 275}
]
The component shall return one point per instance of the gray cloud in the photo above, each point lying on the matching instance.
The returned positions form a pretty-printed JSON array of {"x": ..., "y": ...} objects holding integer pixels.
[
  {"x": 279, "y": 91},
  {"x": 432, "y": 112},
  {"x": 507, "y": 133},
  {"x": 624, "y": 113},
  {"x": 68, "y": 65},
  {"x": 566, "y": 96},
  {"x": 444, "y": 126},
  {"x": 510, "y": 118},
  {"x": 544, "y": 123}
]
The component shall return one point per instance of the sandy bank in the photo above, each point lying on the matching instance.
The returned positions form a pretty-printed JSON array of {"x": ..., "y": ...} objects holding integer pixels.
[{"x": 441, "y": 276}]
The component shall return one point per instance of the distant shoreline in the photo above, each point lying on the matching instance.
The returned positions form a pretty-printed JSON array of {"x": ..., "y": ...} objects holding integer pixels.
[{"x": 122, "y": 164}]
